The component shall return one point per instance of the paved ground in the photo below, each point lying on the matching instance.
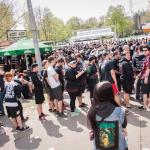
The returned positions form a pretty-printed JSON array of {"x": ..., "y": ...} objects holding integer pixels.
[{"x": 70, "y": 133}]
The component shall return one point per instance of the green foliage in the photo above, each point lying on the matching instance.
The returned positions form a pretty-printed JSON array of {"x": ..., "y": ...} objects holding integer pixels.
[
  {"x": 75, "y": 23},
  {"x": 6, "y": 19},
  {"x": 52, "y": 28},
  {"x": 121, "y": 23}
]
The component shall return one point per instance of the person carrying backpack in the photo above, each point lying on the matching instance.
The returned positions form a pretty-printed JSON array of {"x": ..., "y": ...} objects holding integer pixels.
[{"x": 106, "y": 120}]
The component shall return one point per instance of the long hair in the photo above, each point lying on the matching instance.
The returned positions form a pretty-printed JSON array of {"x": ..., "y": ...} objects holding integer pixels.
[{"x": 103, "y": 92}]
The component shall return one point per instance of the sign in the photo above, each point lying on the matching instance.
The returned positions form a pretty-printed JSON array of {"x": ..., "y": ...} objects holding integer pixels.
[
  {"x": 16, "y": 34},
  {"x": 146, "y": 27},
  {"x": 94, "y": 32}
]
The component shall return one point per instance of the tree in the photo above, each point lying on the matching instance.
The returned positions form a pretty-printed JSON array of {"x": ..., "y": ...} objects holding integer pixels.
[
  {"x": 49, "y": 26},
  {"x": 91, "y": 23},
  {"x": 75, "y": 23},
  {"x": 117, "y": 18},
  {"x": 6, "y": 17}
]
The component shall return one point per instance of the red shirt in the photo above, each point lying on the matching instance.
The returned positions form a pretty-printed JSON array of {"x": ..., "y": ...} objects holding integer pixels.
[{"x": 146, "y": 65}]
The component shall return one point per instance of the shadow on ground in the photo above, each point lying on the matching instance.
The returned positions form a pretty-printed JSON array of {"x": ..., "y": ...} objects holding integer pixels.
[
  {"x": 3, "y": 138},
  {"x": 28, "y": 142},
  {"x": 51, "y": 129},
  {"x": 72, "y": 122}
]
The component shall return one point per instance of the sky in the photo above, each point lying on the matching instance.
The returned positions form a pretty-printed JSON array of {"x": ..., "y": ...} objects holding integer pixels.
[{"x": 84, "y": 9}]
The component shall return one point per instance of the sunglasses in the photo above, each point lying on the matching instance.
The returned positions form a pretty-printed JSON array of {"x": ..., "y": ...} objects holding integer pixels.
[{"x": 145, "y": 50}]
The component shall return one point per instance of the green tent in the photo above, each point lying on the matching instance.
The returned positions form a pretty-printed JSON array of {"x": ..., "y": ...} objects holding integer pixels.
[{"x": 23, "y": 46}]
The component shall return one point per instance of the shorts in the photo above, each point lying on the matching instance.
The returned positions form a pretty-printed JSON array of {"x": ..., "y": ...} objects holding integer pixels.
[
  {"x": 115, "y": 89},
  {"x": 50, "y": 93},
  {"x": 39, "y": 96},
  {"x": 127, "y": 88},
  {"x": 57, "y": 93},
  {"x": 13, "y": 112},
  {"x": 145, "y": 88}
]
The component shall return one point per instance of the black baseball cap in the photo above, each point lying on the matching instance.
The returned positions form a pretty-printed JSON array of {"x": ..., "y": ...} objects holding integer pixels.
[{"x": 34, "y": 65}]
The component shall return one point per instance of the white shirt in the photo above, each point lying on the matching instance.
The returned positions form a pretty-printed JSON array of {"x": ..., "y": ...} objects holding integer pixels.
[{"x": 52, "y": 82}]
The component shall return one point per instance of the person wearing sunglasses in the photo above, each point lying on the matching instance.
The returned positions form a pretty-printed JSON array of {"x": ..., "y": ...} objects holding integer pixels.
[{"x": 145, "y": 78}]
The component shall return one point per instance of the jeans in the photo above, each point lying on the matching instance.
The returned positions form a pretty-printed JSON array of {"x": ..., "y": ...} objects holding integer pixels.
[{"x": 1, "y": 103}]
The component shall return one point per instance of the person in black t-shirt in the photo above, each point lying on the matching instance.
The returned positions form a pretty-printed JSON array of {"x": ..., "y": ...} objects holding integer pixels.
[
  {"x": 73, "y": 85},
  {"x": 137, "y": 62},
  {"x": 127, "y": 78},
  {"x": 59, "y": 70},
  {"x": 92, "y": 77},
  {"x": 1, "y": 92},
  {"x": 116, "y": 56},
  {"x": 107, "y": 71},
  {"x": 38, "y": 90},
  {"x": 82, "y": 78}
]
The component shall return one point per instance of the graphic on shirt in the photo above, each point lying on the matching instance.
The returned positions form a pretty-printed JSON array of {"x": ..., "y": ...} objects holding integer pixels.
[
  {"x": 106, "y": 136},
  {"x": 10, "y": 91}
]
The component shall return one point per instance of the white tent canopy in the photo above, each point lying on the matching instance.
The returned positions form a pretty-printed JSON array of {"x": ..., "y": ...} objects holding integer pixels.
[{"x": 92, "y": 34}]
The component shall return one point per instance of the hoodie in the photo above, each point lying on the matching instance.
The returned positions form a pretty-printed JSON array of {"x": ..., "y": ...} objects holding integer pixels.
[
  {"x": 127, "y": 74},
  {"x": 105, "y": 109}
]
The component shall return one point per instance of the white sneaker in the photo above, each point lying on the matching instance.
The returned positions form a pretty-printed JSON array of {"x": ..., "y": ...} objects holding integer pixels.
[{"x": 73, "y": 114}]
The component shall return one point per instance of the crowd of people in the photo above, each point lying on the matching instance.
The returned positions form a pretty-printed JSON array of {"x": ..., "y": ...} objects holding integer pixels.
[{"x": 103, "y": 68}]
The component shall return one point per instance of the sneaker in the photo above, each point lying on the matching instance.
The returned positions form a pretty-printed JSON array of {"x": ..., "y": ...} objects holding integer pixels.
[
  {"x": 83, "y": 105},
  {"x": 43, "y": 114},
  {"x": 41, "y": 118},
  {"x": 17, "y": 128},
  {"x": 77, "y": 110},
  {"x": 23, "y": 128},
  {"x": 73, "y": 114},
  {"x": 141, "y": 108},
  {"x": 62, "y": 115},
  {"x": 50, "y": 110},
  {"x": 127, "y": 112}
]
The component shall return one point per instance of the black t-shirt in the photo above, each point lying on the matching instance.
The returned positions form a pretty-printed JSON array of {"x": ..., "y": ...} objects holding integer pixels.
[
  {"x": 106, "y": 67},
  {"x": 71, "y": 81},
  {"x": 45, "y": 76},
  {"x": 116, "y": 66},
  {"x": 1, "y": 83},
  {"x": 138, "y": 63},
  {"x": 59, "y": 71}
]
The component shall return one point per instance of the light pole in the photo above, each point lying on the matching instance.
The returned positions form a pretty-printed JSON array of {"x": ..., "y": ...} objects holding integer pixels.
[{"x": 34, "y": 34}]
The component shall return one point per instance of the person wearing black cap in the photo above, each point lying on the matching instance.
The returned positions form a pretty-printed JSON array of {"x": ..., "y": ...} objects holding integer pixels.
[
  {"x": 92, "y": 77},
  {"x": 73, "y": 84},
  {"x": 38, "y": 90}
]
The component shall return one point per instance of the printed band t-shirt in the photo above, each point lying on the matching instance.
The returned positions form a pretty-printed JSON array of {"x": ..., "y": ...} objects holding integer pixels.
[{"x": 52, "y": 82}]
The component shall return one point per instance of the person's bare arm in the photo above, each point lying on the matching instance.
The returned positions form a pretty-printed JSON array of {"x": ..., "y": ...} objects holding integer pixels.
[
  {"x": 79, "y": 74},
  {"x": 146, "y": 76},
  {"x": 113, "y": 75}
]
